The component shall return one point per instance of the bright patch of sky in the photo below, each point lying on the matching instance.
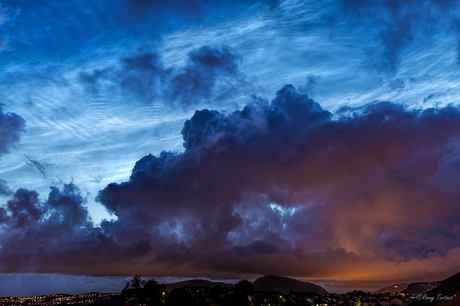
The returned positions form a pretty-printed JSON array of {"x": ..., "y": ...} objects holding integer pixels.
[{"x": 282, "y": 211}]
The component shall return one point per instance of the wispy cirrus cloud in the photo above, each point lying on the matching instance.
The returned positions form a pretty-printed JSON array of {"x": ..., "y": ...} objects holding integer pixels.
[{"x": 397, "y": 24}]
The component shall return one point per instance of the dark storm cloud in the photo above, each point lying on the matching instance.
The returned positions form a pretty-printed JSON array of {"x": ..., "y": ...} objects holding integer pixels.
[
  {"x": 23, "y": 208},
  {"x": 328, "y": 177},
  {"x": 180, "y": 180},
  {"x": 11, "y": 128},
  {"x": 56, "y": 235},
  {"x": 398, "y": 23},
  {"x": 209, "y": 74},
  {"x": 276, "y": 188}
]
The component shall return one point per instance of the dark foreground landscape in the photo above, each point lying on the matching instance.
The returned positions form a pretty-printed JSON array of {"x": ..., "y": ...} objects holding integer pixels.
[{"x": 269, "y": 290}]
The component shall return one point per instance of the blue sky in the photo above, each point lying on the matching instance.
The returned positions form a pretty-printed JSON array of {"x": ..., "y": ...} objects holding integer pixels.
[
  {"x": 94, "y": 136},
  {"x": 101, "y": 85}
]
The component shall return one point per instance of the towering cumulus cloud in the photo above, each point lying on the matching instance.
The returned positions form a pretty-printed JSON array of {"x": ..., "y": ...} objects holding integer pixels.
[
  {"x": 286, "y": 183},
  {"x": 283, "y": 188}
]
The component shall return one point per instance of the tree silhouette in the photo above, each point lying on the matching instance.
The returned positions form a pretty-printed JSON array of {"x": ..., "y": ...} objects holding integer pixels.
[
  {"x": 179, "y": 297},
  {"x": 149, "y": 293},
  {"x": 242, "y": 292},
  {"x": 244, "y": 287},
  {"x": 153, "y": 293},
  {"x": 215, "y": 295},
  {"x": 133, "y": 287}
]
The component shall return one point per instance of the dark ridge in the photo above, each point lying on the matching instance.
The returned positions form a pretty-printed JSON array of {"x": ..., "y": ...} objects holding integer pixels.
[
  {"x": 286, "y": 285},
  {"x": 196, "y": 282},
  {"x": 420, "y": 288},
  {"x": 447, "y": 293},
  {"x": 393, "y": 288}
]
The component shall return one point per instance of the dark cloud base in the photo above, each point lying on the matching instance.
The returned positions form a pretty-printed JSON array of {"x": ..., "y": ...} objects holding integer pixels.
[{"x": 282, "y": 188}]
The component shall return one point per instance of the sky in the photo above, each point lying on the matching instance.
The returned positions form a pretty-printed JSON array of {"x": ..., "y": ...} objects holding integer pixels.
[{"x": 225, "y": 140}]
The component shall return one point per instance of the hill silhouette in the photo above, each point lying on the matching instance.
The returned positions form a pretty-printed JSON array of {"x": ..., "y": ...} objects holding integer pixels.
[
  {"x": 420, "y": 288},
  {"x": 393, "y": 288},
  {"x": 196, "y": 282},
  {"x": 446, "y": 294},
  {"x": 285, "y": 285}
]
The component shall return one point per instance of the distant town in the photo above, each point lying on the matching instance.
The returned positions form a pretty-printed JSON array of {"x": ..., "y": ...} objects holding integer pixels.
[{"x": 269, "y": 290}]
